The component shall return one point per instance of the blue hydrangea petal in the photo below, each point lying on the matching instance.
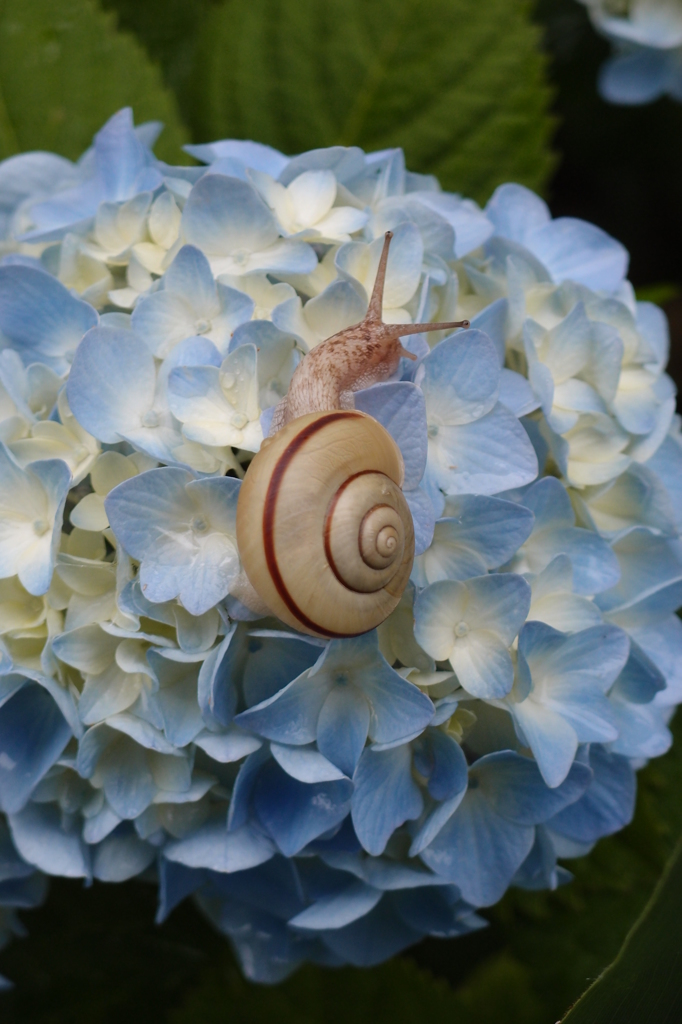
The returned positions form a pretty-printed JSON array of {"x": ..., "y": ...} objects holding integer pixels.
[
  {"x": 120, "y": 857},
  {"x": 291, "y": 715},
  {"x": 661, "y": 641},
  {"x": 111, "y": 384},
  {"x": 240, "y": 810},
  {"x": 176, "y": 882},
  {"x": 515, "y": 789},
  {"x": 385, "y": 796},
  {"x": 275, "y": 659},
  {"x": 642, "y": 729},
  {"x": 224, "y": 215},
  {"x": 33, "y": 733},
  {"x": 184, "y": 535},
  {"x": 478, "y": 850},
  {"x": 338, "y": 909},
  {"x": 305, "y": 763},
  {"x": 540, "y": 869},
  {"x": 640, "y": 679},
  {"x": 374, "y": 938},
  {"x": 189, "y": 276},
  {"x": 176, "y": 698},
  {"x": 607, "y": 804},
  {"x": 231, "y": 745},
  {"x": 39, "y": 837},
  {"x": 460, "y": 379},
  {"x": 400, "y": 711},
  {"x": 212, "y": 846},
  {"x": 229, "y": 222},
  {"x": 249, "y": 154},
  {"x": 438, "y": 912},
  {"x": 278, "y": 357},
  {"x": 477, "y": 534},
  {"x": 550, "y": 736},
  {"x": 650, "y": 584},
  {"x": 574, "y": 250},
  {"x": 295, "y": 813},
  {"x": 343, "y": 726},
  {"x": 515, "y": 211},
  {"x": 487, "y": 456},
  {"x": 32, "y": 503},
  {"x": 216, "y": 693},
  {"x": 423, "y": 518},
  {"x": 635, "y": 77},
  {"x": 445, "y": 765},
  {"x": 400, "y": 408},
  {"x": 41, "y": 319}
]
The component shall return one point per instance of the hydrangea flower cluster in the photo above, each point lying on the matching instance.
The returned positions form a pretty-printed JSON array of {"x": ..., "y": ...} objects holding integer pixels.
[
  {"x": 331, "y": 801},
  {"x": 647, "y": 39}
]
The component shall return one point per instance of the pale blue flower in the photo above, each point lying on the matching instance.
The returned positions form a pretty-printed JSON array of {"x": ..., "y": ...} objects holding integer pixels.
[
  {"x": 569, "y": 249},
  {"x": 559, "y": 698},
  {"x": 118, "y": 167},
  {"x": 33, "y": 734},
  {"x": 219, "y": 405},
  {"x": 472, "y": 625},
  {"x": 477, "y": 534},
  {"x": 183, "y": 533},
  {"x": 350, "y": 693},
  {"x": 31, "y": 507},
  {"x": 647, "y": 39},
  {"x": 230, "y": 223},
  {"x": 475, "y": 444},
  {"x": 492, "y": 831},
  {"x": 190, "y": 303},
  {"x": 595, "y": 567},
  {"x": 40, "y": 319}
]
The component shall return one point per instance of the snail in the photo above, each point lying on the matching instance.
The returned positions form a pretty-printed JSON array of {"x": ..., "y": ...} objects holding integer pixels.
[{"x": 324, "y": 533}]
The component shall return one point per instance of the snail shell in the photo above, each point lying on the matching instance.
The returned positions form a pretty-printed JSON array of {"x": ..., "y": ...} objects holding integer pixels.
[{"x": 324, "y": 533}]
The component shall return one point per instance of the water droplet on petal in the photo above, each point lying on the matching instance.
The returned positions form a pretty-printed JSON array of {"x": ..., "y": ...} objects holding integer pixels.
[
  {"x": 461, "y": 629},
  {"x": 40, "y": 527}
]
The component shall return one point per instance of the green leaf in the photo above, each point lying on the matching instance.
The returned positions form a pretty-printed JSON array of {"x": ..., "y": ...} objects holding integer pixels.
[
  {"x": 644, "y": 983},
  {"x": 666, "y": 291},
  {"x": 458, "y": 83},
  {"x": 168, "y": 30},
  {"x": 64, "y": 69}
]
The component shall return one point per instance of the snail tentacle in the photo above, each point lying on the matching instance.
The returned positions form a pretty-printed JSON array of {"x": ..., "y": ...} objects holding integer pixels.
[{"x": 355, "y": 358}]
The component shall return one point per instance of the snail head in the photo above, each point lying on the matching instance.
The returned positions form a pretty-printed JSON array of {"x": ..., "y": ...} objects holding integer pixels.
[{"x": 355, "y": 358}]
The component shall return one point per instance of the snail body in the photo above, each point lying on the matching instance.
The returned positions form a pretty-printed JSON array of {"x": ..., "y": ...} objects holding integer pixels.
[
  {"x": 324, "y": 533},
  {"x": 331, "y": 549}
]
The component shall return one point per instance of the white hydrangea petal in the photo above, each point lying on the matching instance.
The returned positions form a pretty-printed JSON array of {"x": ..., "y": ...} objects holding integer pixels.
[{"x": 312, "y": 195}]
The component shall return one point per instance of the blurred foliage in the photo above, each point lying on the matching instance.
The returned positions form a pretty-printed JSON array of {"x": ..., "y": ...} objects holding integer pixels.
[
  {"x": 459, "y": 84},
  {"x": 660, "y": 294},
  {"x": 643, "y": 983},
  {"x": 64, "y": 69},
  {"x": 94, "y": 955}
]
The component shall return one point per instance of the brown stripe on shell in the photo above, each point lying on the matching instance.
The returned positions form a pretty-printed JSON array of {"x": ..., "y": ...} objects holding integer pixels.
[
  {"x": 269, "y": 520},
  {"x": 328, "y": 523}
]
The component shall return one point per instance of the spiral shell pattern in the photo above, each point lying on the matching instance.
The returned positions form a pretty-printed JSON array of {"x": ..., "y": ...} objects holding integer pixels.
[{"x": 324, "y": 532}]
